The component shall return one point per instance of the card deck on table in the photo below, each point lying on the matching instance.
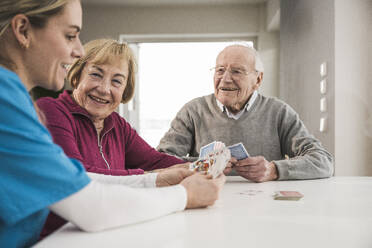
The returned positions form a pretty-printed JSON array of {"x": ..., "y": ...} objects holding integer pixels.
[
  {"x": 288, "y": 195},
  {"x": 238, "y": 151}
]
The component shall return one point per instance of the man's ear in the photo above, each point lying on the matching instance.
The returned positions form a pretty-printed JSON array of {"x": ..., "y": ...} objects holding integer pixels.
[
  {"x": 21, "y": 25},
  {"x": 259, "y": 80}
]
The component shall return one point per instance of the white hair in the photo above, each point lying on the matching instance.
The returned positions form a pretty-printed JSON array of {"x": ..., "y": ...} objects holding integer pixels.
[{"x": 258, "y": 62}]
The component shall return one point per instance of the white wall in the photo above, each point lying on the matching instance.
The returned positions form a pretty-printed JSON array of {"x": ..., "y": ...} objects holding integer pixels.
[
  {"x": 273, "y": 15},
  {"x": 336, "y": 31},
  {"x": 353, "y": 88},
  {"x": 306, "y": 41},
  {"x": 112, "y": 21},
  {"x": 268, "y": 47}
]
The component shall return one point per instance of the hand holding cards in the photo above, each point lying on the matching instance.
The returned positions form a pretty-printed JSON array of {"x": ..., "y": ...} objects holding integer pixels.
[
  {"x": 207, "y": 149},
  {"x": 214, "y": 163},
  {"x": 238, "y": 151}
]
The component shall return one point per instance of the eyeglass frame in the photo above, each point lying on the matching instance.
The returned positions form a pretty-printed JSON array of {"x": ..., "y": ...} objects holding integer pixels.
[{"x": 241, "y": 72}]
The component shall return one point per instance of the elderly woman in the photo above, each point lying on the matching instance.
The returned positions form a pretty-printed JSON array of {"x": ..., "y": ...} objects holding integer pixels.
[
  {"x": 38, "y": 40},
  {"x": 84, "y": 122}
]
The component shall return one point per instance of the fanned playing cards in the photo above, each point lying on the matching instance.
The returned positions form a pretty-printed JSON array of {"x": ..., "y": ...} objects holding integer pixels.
[
  {"x": 214, "y": 162},
  {"x": 237, "y": 151}
]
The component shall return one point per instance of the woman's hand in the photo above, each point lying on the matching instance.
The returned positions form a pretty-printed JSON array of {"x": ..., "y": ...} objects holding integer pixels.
[
  {"x": 184, "y": 165},
  {"x": 176, "y": 166},
  {"x": 202, "y": 190},
  {"x": 172, "y": 176}
]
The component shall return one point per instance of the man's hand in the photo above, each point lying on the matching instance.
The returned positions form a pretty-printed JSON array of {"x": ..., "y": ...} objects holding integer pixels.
[
  {"x": 257, "y": 169},
  {"x": 229, "y": 166},
  {"x": 168, "y": 177},
  {"x": 202, "y": 190}
]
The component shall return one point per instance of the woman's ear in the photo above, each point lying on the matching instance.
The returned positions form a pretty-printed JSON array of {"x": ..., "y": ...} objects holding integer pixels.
[{"x": 21, "y": 25}]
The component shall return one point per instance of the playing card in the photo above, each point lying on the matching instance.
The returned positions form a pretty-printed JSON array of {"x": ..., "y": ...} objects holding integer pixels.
[
  {"x": 221, "y": 159},
  {"x": 288, "y": 195},
  {"x": 207, "y": 149},
  {"x": 238, "y": 151},
  {"x": 214, "y": 163},
  {"x": 201, "y": 165},
  {"x": 219, "y": 145}
]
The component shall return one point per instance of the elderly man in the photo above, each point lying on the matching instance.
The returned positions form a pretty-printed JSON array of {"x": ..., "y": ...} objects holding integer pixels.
[{"x": 279, "y": 145}]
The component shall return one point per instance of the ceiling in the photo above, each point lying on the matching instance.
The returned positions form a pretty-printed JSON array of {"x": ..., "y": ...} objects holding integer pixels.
[{"x": 169, "y": 2}]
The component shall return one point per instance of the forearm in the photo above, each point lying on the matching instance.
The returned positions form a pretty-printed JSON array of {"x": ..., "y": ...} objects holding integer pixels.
[
  {"x": 308, "y": 159},
  {"x": 178, "y": 140},
  {"x": 158, "y": 160},
  {"x": 117, "y": 205},
  {"x": 309, "y": 166},
  {"x": 139, "y": 154},
  {"x": 134, "y": 181},
  {"x": 177, "y": 151},
  {"x": 190, "y": 159}
]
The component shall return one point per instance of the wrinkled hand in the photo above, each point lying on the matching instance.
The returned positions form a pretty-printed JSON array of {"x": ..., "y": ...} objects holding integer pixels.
[
  {"x": 184, "y": 165},
  {"x": 229, "y": 166},
  {"x": 202, "y": 190},
  {"x": 168, "y": 177},
  {"x": 257, "y": 169}
]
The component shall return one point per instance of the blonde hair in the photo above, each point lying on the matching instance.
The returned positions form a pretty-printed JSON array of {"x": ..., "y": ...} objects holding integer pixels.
[
  {"x": 104, "y": 51},
  {"x": 37, "y": 11}
]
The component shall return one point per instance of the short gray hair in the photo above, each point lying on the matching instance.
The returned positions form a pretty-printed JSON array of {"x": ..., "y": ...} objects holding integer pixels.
[{"x": 257, "y": 58}]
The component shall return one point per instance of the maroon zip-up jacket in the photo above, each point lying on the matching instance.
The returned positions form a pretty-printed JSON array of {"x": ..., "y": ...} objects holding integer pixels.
[{"x": 119, "y": 151}]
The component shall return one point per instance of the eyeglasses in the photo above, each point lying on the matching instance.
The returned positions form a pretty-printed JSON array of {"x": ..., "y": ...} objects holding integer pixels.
[{"x": 235, "y": 72}]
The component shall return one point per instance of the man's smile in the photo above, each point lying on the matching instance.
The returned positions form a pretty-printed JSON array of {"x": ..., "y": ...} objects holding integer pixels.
[{"x": 228, "y": 88}]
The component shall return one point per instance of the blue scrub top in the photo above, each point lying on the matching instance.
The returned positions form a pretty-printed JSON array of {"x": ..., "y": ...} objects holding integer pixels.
[{"x": 34, "y": 172}]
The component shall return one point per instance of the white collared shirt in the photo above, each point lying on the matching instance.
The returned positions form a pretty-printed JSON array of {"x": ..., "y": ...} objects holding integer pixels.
[{"x": 246, "y": 107}]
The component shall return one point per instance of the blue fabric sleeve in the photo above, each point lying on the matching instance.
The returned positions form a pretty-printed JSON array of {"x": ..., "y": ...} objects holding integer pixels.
[{"x": 34, "y": 172}]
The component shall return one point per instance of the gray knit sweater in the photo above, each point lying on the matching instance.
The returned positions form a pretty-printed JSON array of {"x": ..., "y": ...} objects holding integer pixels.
[{"x": 270, "y": 128}]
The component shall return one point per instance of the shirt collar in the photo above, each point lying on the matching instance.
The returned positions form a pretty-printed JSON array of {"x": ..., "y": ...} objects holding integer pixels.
[{"x": 247, "y": 106}]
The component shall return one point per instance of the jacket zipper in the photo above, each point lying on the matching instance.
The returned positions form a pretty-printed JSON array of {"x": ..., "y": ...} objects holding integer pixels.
[
  {"x": 101, "y": 151},
  {"x": 99, "y": 142}
]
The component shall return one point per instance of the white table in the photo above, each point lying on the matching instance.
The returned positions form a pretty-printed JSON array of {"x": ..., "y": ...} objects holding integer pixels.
[{"x": 335, "y": 212}]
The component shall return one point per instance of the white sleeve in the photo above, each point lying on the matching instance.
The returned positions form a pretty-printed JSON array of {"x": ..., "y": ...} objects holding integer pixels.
[
  {"x": 134, "y": 181},
  {"x": 116, "y": 205}
]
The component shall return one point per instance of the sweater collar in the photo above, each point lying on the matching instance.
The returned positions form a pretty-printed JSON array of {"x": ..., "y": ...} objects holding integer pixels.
[{"x": 75, "y": 108}]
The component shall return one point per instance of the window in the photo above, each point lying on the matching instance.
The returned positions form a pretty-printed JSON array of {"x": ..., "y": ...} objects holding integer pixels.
[{"x": 170, "y": 75}]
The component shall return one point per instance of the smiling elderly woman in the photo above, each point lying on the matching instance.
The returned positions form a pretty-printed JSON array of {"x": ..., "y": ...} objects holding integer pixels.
[{"x": 84, "y": 124}]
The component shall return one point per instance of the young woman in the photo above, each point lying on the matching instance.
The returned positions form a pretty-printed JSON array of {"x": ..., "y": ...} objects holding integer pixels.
[{"x": 39, "y": 39}]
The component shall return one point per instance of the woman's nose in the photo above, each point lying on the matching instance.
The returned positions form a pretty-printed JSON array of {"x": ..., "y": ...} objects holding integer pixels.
[
  {"x": 78, "y": 50},
  {"x": 105, "y": 86}
]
